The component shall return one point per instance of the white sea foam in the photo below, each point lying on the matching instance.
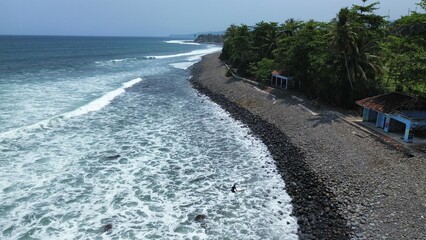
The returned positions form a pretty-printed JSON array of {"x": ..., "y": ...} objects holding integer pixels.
[
  {"x": 92, "y": 106},
  {"x": 171, "y": 168},
  {"x": 194, "y": 53},
  {"x": 113, "y": 61},
  {"x": 147, "y": 164},
  {"x": 193, "y": 57},
  {"x": 184, "y": 42},
  {"x": 101, "y": 102},
  {"x": 182, "y": 65}
]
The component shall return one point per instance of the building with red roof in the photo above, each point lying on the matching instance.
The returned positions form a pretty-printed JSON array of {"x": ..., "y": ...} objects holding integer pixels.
[{"x": 395, "y": 111}]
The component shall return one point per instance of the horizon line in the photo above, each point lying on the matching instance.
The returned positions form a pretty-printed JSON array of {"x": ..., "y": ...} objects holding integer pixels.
[
  {"x": 71, "y": 35},
  {"x": 130, "y": 36}
]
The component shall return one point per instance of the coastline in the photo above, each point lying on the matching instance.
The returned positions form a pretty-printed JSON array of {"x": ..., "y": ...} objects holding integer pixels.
[{"x": 341, "y": 184}]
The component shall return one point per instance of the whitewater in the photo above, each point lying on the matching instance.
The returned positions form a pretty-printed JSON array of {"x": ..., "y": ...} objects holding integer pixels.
[{"x": 104, "y": 138}]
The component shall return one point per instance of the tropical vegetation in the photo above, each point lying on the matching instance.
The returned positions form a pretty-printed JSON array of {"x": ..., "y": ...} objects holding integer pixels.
[
  {"x": 209, "y": 38},
  {"x": 355, "y": 55}
]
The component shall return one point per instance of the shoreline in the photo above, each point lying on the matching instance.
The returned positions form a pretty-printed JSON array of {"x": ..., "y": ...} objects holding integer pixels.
[
  {"x": 337, "y": 193},
  {"x": 315, "y": 210}
]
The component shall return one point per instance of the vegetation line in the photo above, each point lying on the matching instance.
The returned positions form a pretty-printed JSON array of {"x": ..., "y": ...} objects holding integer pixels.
[{"x": 355, "y": 55}]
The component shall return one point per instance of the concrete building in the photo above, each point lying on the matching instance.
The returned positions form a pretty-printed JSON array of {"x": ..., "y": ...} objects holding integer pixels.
[
  {"x": 395, "y": 112},
  {"x": 281, "y": 81}
]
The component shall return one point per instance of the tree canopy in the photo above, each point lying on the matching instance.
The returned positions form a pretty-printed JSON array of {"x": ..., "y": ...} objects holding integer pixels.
[
  {"x": 209, "y": 38},
  {"x": 355, "y": 55}
]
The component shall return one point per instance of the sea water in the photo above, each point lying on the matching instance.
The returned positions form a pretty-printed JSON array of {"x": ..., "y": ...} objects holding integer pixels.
[{"x": 104, "y": 138}]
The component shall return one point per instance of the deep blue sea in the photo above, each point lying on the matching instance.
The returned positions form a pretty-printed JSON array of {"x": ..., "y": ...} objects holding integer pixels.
[{"x": 104, "y": 138}]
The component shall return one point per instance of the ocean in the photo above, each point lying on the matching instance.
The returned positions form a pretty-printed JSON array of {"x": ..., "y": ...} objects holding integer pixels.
[{"x": 104, "y": 138}]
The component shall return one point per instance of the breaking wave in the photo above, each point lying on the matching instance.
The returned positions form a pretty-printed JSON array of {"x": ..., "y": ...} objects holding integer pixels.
[
  {"x": 103, "y": 101},
  {"x": 193, "y": 54},
  {"x": 185, "y": 42},
  {"x": 92, "y": 106}
]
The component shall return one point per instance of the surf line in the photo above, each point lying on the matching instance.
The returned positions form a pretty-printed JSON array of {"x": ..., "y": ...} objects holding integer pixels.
[
  {"x": 199, "y": 52},
  {"x": 103, "y": 101},
  {"x": 92, "y": 106}
]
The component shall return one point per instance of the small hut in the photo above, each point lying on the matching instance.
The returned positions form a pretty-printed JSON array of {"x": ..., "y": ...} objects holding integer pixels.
[
  {"x": 279, "y": 80},
  {"x": 395, "y": 111}
]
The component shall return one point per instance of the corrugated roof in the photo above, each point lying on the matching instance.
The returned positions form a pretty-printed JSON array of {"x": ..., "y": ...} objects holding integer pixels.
[
  {"x": 275, "y": 72},
  {"x": 391, "y": 102}
]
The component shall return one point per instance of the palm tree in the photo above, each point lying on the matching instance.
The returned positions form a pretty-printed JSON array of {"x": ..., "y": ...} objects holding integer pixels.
[
  {"x": 365, "y": 62},
  {"x": 291, "y": 26},
  {"x": 236, "y": 44},
  {"x": 265, "y": 39},
  {"x": 228, "y": 47},
  {"x": 344, "y": 41},
  {"x": 354, "y": 37}
]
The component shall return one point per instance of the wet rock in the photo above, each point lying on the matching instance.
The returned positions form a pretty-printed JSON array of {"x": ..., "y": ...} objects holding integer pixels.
[
  {"x": 113, "y": 157},
  {"x": 349, "y": 172},
  {"x": 200, "y": 218},
  {"x": 107, "y": 227},
  {"x": 310, "y": 195}
]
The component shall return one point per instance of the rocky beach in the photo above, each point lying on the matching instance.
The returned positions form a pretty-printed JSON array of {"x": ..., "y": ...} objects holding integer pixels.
[{"x": 344, "y": 183}]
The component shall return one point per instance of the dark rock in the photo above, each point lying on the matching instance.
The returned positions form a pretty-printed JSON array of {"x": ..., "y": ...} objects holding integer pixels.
[
  {"x": 200, "y": 218},
  {"x": 107, "y": 227},
  {"x": 310, "y": 196},
  {"x": 113, "y": 157}
]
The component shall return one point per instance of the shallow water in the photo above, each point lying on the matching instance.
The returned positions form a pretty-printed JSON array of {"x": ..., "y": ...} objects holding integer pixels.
[{"x": 123, "y": 139}]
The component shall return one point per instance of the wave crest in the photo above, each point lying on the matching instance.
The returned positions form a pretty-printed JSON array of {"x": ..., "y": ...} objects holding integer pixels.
[
  {"x": 115, "y": 61},
  {"x": 192, "y": 54},
  {"x": 92, "y": 106},
  {"x": 103, "y": 101},
  {"x": 185, "y": 42}
]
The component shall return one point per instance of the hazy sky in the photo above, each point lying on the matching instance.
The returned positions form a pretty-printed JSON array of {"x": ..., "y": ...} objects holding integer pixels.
[{"x": 164, "y": 17}]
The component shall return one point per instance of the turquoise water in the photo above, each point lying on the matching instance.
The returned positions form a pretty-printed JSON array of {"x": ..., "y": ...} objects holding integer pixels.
[{"x": 108, "y": 131}]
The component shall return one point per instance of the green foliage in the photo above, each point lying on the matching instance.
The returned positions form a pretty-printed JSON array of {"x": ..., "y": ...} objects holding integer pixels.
[
  {"x": 237, "y": 48},
  {"x": 422, "y": 4},
  {"x": 306, "y": 56},
  {"x": 412, "y": 25},
  {"x": 209, "y": 38},
  {"x": 265, "y": 37},
  {"x": 405, "y": 54},
  {"x": 355, "y": 39},
  {"x": 358, "y": 54},
  {"x": 262, "y": 69}
]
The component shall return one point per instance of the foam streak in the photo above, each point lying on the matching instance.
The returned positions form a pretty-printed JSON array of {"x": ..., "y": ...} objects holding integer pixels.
[
  {"x": 187, "y": 54},
  {"x": 184, "y": 42},
  {"x": 103, "y": 101},
  {"x": 95, "y": 105}
]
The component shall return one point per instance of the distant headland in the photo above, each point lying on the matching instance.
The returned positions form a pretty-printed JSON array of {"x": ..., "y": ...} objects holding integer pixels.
[
  {"x": 209, "y": 38},
  {"x": 202, "y": 37}
]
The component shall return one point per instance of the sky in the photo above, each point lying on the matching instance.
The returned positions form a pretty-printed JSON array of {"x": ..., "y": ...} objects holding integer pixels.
[{"x": 166, "y": 17}]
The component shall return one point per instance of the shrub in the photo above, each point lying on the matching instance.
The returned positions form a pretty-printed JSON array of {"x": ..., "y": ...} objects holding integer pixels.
[{"x": 262, "y": 69}]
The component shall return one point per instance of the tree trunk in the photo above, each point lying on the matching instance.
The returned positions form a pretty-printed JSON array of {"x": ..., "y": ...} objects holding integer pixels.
[{"x": 347, "y": 70}]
